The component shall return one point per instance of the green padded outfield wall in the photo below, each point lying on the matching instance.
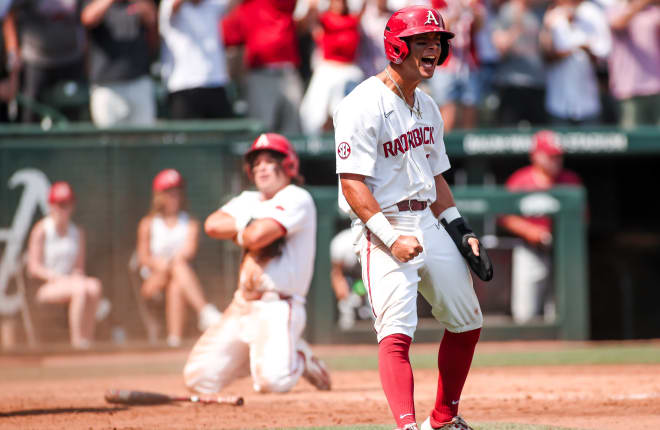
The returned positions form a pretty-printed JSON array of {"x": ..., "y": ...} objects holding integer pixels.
[{"x": 111, "y": 172}]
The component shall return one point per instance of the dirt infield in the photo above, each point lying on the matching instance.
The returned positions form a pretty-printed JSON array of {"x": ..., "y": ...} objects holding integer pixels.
[{"x": 67, "y": 392}]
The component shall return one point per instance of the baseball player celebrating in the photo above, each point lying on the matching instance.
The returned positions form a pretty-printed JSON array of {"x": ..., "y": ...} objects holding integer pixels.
[
  {"x": 390, "y": 159},
  {"x": 260, "y": 331}
]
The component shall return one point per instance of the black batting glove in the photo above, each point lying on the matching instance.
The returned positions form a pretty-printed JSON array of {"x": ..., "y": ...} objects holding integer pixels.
[{"x": 460, "y": 232}]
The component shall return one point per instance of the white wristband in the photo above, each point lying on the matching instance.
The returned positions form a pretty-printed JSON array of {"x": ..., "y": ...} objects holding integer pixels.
[
  {"x": 239, "y": 238},
  {"x": 381, "y": 227},
  {"x": 240, "y": 222},
  {"x": 450, "y": 214}
]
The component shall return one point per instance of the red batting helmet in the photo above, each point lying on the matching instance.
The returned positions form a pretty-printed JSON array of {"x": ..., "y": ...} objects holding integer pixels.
[
  {"x": 61, "y": 192},
  {"x": 408, "y": 22},
  {"x": 167, "y": 179},
  {"x": 280, "y": 144}
]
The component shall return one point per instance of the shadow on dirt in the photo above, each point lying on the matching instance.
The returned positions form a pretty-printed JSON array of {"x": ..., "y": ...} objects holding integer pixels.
[{"x": 55, "y": 411}]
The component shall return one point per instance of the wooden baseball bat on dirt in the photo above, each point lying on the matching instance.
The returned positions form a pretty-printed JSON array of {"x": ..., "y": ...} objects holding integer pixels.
[{"x": 132, "y": 397}]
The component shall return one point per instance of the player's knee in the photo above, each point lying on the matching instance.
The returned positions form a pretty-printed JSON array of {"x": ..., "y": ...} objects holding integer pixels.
[
  {"x": 180, "y": 267},
  {"x": 79, "y": 288},
  {"x": 201, "y": 380},
  {"x": 93, "y": 287},
  {"x": 282, "y": 384}
]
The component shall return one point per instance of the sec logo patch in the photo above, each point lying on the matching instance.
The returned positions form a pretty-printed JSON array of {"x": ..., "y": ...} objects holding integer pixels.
[{"x": 344, "y": 150}]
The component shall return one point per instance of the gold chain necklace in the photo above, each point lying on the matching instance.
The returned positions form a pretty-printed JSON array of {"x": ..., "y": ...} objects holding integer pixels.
[{"x": 417, "y": 110}]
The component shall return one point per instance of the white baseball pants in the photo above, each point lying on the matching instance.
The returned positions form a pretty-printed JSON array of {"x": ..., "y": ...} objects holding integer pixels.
[
  {"x": 440, "y": 273},
  {"x": 256, "y": 337}
]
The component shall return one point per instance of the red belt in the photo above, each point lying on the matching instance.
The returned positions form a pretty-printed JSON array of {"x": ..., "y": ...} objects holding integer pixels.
[{"x": 411, "y": 205}]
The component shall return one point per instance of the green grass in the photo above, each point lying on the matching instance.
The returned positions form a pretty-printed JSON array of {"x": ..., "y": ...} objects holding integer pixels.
[
  {"x": 477, "y": 426},
  {"x": 607, "y": 354},
  {"x": 563, "y": 355}
]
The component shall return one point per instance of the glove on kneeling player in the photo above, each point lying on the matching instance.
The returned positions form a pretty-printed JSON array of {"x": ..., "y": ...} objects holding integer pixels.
[{"x": 252, "y": 265}]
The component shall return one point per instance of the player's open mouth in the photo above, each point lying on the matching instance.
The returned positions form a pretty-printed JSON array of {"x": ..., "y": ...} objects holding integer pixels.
[{"x": 429, "y": 60}]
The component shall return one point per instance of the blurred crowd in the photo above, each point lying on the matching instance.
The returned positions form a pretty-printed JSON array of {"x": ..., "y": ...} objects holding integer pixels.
[{"x": 288, "y": 63}]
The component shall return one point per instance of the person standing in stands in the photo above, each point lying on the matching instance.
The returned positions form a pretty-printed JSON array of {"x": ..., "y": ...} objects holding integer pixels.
[{"x": 123, "y": 36}]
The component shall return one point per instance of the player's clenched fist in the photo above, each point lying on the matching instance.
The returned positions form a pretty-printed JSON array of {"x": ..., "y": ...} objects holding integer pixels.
[{"x": 405, "y": 248}]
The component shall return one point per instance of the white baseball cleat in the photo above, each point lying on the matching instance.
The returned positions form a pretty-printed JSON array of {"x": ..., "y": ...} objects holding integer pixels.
[
  {"x": 411, "y": 426},
  {"x": 456, "y": 423},
  {"x": 315, "y": 371}
]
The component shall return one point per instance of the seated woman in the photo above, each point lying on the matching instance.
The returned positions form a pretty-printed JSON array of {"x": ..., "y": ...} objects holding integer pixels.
[
  {"x": 56, "y": 257},
  {"x": 167, "y": 243}
]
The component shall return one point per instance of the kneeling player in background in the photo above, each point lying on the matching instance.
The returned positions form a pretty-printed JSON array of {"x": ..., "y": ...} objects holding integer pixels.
[{"x": 260, "y": 331}]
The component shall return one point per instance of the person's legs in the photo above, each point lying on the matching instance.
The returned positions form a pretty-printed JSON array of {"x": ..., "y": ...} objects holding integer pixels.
[
  {"x": 447, "y": 286},
  {"x": 396, "y": 377},
  {"x": 140, "y": 96},
  {"x": 531, "y": 105},
  {"x": 71, "y": 290},
  {"x": 262, "y": 96},
  {"x": 469, "y": 98},
  {"x": 507, "y": 112},
  {"x": 530, "y": 273},
  {"x": 219, "y": 356},
  {"x": 315, "y": 103},
  {"x": 290, "y": 96},
  {"x": 175, "y": 311},
  {"x": 35, "y": 79},
  {"x": 454, "y": 361},
  {"x": 217, "y": 104},
  {"x": 444, "y": 90},
  {"x": 276, "y": 326},
  {"x": 648, "y": 109},
  {"x": 180, "y": 105},
  {"x": 448, "y": 112},
  {"x": 93, "y": 292},
  {"x": 392, "y": 290},
  {"x": 154, "y": 283},
  {"x": 184, "y": 275},
  {"x": 108, "y": 106}
]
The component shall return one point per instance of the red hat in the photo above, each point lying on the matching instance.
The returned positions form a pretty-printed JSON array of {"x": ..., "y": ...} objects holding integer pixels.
[
  {"x": 61, "y": 192},
  {"x": 546, "y": 141},
  {"x": 167, "y": 179},
  {"x": 278, "y": 143}
]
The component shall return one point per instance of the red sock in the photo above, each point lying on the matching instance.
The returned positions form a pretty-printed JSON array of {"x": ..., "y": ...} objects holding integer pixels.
[
  {"x": 454, "y": 360},
  {"x": 397, "y": 378}
]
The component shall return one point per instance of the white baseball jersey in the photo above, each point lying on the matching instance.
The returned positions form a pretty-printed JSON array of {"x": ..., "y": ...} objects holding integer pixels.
[
  {"x": 60, "y": 252},
  {"x": 293, "y": 208},
  {"x": 166, "y": 241},
  {"x": 377, "y": 136}
]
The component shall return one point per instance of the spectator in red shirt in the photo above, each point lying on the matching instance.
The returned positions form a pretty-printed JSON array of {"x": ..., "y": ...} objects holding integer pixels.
[
  {"x": 267, "y": 30},
  {"x": 531, "y": 261},
  {"x": 338, "y": 36}
]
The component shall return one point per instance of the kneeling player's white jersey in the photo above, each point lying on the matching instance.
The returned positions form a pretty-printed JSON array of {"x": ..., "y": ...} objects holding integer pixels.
[
  {"x": 399, "y": 153},
  {"x": 293, "y": 208}
]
